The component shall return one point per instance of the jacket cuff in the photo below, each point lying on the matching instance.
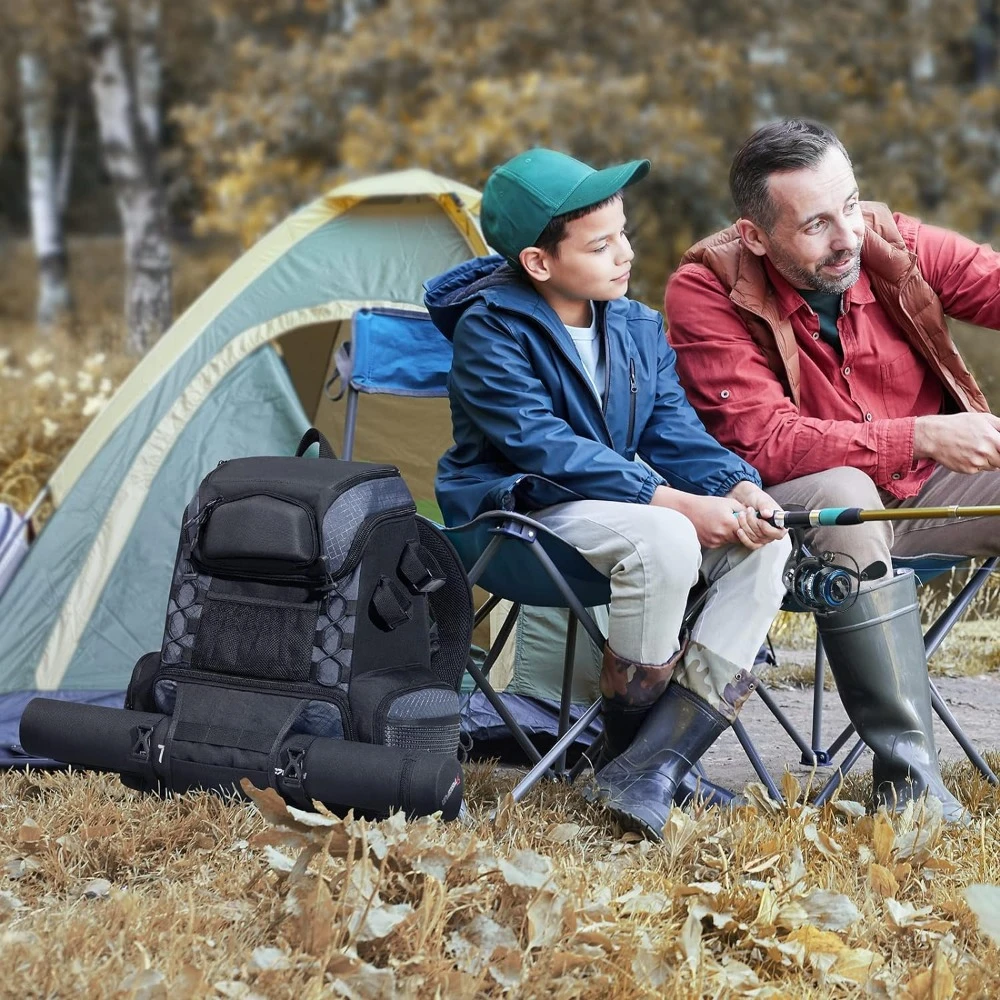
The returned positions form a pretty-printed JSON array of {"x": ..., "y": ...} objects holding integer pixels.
[
  {"x": 749, "y": 474},
  {"x": 648, "y": 487}
]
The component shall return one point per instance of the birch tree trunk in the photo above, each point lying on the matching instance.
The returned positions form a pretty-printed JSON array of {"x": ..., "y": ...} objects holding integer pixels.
[
  {"x": 131, "y": 158},
  {"x": 53, "y": 303}
]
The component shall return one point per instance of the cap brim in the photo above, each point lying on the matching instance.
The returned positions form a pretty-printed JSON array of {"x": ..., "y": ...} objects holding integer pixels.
[{"x": 602, "y": 184}]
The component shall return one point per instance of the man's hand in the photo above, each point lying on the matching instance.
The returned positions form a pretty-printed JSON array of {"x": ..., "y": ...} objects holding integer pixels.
[
  {"x": 722, "y": 520},
  {"x": 961, "y": 442}
]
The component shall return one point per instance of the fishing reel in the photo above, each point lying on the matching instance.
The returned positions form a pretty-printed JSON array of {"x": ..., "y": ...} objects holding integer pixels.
[{"x": 818, "y": 584}]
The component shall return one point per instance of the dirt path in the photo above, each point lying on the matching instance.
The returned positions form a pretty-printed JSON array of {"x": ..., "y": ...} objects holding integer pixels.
[{"x": 975, "y": 702}]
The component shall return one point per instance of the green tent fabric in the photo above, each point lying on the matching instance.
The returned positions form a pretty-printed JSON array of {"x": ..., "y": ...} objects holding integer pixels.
[{"x": 240, "y": 373}]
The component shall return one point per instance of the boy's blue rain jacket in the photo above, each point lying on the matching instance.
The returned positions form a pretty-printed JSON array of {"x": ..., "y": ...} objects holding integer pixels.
[{"x": 529, "y": 430}]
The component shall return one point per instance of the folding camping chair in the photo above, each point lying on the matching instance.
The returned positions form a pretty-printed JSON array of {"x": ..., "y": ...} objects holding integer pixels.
[
  {"x": 513, "y": 557},
  {"x": 813, "y": 753}
]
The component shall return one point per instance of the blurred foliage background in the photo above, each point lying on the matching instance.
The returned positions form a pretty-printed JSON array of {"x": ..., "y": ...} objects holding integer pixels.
[{"x": 265, "y": 105}]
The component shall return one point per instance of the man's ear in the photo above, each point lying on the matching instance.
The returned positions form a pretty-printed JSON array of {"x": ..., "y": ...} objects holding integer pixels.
[
  {"x": 753, "y": 236},
  {"x": 535, "y": 263}
]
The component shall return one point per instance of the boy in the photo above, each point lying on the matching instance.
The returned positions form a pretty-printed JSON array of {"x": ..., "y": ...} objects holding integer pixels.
[{"x": 558, "y": 383}]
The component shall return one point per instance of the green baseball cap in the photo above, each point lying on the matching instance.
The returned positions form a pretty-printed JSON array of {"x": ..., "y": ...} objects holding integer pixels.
[{"x": 523, "y": 195}]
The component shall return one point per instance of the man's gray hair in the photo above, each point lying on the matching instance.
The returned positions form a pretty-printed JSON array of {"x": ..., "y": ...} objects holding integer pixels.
[{"x": 791, "y": 144}]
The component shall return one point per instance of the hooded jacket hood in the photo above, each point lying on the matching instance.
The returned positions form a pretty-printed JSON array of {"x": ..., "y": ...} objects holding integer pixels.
[{"x": 484, "y": 279}]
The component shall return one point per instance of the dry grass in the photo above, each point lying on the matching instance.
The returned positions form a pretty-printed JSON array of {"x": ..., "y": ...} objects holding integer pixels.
[
  {"x": 112, "y": 894},
  {"x": 108, "y": 893}
]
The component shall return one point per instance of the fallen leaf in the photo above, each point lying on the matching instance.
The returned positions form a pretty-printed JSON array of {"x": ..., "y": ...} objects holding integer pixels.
[
  {"x": 904, "y": 914},
  {"x": 831, "y": 911},
  {"x": 29, "y": 833},
  {"x": 550, "y": 918},
  {"x": 824, "y": 843},
  {"x": 526, "y": 868},
  {"x": 984, "y": 901},
  {"x": 270, "y": 959},
  {"x": 690, "y": 940},
  {"x": 883, "y": 838},
  {"x": 846, "y": 807},
  {"x": 883, "y": 882},
  {"x": 96, "y": 888},
  {"x": 563, "y": 833}
]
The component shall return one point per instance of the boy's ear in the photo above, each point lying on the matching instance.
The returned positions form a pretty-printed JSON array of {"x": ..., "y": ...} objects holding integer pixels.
[
  {"x": 753, "y": 236},
  {"x": 535, "y": 263}
]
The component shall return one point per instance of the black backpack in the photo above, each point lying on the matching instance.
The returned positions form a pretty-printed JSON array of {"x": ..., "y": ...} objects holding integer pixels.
[{"x": 308, "y": 600}]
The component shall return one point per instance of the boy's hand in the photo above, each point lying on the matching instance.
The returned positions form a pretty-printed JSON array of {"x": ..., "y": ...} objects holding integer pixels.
[
  {"x": 715, "y": 519},
  {"x": 728, "y": 520},
  {"x": 756, "y": 502}
]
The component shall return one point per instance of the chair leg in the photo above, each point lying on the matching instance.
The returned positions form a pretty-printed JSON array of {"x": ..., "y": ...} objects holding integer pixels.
[
  {"x": 501, "y": 640},
  {"x": 569, "y": 662},
  {"x": 808, "y": 755},
  {"x": 837, "y": 779},
  {"x": 945, "y": 715},
  {"x": 501, "y": 709},
  {"x": 559, "y": 748},
  {"x": 932, "y": 640},
  {"x": 758, "y": 765},
  {"x": 819, "y": 756},
  {"x": 484, "y": 611}
]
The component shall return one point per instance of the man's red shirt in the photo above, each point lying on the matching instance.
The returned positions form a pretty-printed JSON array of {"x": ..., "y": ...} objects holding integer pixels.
[{"x": 857, "y": 410}]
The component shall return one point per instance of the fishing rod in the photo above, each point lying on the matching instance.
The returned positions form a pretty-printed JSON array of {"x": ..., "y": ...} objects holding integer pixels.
[{"x": 827, "y": 516}]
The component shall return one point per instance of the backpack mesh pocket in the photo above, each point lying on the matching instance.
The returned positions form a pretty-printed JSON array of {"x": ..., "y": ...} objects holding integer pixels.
[
  {"x": 254, "y": 638},
  {"x": 424, "y": 720}
]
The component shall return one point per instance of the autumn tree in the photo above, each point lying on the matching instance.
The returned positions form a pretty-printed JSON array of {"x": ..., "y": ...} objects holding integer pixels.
[
  {"x": 41, "y": 44},
  {"x": 459, "y": 85},
  {"x": 123, "y": 54}
]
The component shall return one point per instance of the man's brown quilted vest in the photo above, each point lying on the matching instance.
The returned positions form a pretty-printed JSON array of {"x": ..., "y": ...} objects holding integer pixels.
[{"x": 896, "y": 283}]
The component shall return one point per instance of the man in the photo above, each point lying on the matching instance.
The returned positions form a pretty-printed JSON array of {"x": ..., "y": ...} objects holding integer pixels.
[
  {"x": 811, "y": 338},
  {"x": 558, "y": 381}
]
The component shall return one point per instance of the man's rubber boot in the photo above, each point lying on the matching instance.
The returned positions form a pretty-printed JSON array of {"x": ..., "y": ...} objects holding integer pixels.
[
  {"x": 876, "y": 653},
  {"x": 628, "y": 691},
  {"x": 639, "y": 785}
]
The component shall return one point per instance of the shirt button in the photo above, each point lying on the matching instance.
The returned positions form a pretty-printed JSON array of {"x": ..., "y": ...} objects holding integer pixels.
[
  {"x": 816, "y": 335},
  {"x": 868, "y": 416},
  {"x": 724, "y": 394},
  {"x": 897, "y": 475},
  {"x": 847, "y": 370}
]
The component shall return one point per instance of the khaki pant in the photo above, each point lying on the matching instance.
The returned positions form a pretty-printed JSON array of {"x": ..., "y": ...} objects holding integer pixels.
[
  {"x": 652, "y": 557},
  {"x": 863, "y": 544}
]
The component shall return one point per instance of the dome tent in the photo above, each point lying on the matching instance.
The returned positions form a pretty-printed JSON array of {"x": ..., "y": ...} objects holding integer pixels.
[{"x": 240, "y": 373}]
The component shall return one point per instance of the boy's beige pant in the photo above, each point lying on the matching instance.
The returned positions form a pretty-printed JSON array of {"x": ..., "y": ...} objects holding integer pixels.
[{"x": 652, "y": 557}]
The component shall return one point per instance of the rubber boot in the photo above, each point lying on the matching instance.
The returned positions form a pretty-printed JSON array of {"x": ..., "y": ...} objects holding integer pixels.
[
  {"x": 628, "y": 691},
  {"x": 694, "y": 787},
  {"x": 876, "y": 652},
  {"x": 639, "y": 785}
]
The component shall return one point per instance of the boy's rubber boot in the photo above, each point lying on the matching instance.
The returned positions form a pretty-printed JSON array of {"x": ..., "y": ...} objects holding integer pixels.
[
  {"x": 639, "y": 785},
  {"x": 628, "y": 691},
  {"x": 876, "y": 653},
  {"x": 695, "y": 787}
]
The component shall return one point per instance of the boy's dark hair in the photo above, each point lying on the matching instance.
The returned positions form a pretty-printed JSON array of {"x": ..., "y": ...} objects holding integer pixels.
[
  {"x": 778, "y": 147},
  {"x": 552, "y": 235}
]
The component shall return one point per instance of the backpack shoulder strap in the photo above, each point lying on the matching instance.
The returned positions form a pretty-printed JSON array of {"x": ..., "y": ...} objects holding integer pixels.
[{"x": 450, "y": 607}]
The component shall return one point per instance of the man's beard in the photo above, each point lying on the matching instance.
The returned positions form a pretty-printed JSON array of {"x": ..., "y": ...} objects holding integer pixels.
[{"x": 799, "y": 277}]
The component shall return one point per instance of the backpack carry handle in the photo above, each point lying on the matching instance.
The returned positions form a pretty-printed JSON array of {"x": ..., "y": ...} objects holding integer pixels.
[{"x": 311, "y": 437}]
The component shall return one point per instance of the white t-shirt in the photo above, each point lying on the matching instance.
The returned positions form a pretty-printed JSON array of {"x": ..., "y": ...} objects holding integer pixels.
[{"x": 588, "y": 343}]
